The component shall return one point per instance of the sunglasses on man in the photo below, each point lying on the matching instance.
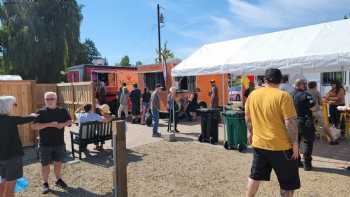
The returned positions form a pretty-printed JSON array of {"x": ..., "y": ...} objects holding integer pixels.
[{"x": 50, "y": 99}]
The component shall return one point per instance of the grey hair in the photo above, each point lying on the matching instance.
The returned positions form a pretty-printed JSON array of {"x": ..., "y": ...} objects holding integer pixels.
[
  {"x": 6, "y": 103},
  {"x": 50, "y": 93}
]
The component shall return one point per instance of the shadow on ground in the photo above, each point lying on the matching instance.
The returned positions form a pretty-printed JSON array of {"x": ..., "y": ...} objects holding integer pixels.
[
  {"x": 332, "y": 171},
  {"x": 105, "y": 158},
  {"x": 339, "y": 152},
  {"x": 77, "y": 192}
]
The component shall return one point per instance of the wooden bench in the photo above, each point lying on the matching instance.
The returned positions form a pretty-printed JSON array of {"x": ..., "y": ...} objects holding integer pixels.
[{"x": 90, "y": 133}]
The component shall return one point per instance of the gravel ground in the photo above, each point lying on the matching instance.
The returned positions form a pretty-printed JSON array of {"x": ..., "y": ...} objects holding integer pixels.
[{"x": 183, "y": 169}]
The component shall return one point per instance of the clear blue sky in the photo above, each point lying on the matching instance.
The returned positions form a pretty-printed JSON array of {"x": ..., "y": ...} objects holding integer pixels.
[{"x": 129, "y": 27}]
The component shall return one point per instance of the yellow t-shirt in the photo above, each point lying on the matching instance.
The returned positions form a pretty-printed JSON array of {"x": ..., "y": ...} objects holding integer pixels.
[{"x": 268, "y": 108}]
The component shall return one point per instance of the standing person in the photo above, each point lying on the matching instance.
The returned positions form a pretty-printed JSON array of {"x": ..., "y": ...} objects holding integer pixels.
[
  {"x": 305, "y": 104},
  {"x": 155, "y": 108},
  {"x": 272, "y": 131},
  {"x": 119, "y": 93},
  {"x": 193, "y": 106},
  {"x": 11, "y": 151},
  {"x": 135, "y": 97},
  {"x": 249, "y": 90},
  {"x": 214, "y": 95},
  {"x": 146, "y": 96},
  {"x": 123, "y": 102},
  {"x": 52, "y": 145},
  {"x": 317, "y": 113},
  {"x": 102, "y": 93},
  {"x": 172, "y": 108},
  {"x": 285, "y": 86},
  {"x": 335, "y": 98}
]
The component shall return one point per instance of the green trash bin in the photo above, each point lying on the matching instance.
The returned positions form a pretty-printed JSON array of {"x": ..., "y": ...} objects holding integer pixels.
[{"x": 235, "y": 130}]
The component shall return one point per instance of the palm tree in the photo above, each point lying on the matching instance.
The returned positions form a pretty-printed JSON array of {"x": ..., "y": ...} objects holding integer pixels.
[{"x": 165, "y": 52}]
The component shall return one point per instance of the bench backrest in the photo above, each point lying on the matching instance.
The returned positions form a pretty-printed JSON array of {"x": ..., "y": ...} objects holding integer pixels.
[{"x": 95, "y": 130}]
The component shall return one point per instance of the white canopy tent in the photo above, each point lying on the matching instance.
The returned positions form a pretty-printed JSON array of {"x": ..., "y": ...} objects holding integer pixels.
[{"x": 323, "y": 47}]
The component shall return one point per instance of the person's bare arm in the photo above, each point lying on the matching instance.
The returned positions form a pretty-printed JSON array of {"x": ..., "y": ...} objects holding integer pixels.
[
  {"x": 249, "y": 128},
  {"x": 293, "y": 135},
  {"x": 64, "y": 124}
]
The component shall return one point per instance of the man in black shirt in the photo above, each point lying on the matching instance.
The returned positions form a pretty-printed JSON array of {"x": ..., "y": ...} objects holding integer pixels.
[
  {"x": 304, "y": 103},
  {"x": 51, "y": 123},
  {"x": 135, "y": 97}
]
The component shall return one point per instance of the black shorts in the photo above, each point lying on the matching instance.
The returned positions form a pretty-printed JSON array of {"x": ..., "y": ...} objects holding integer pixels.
[
  {"x": 48, "y": 154},
  {"x": 286, "y": 169},
  {"x": 11, "y": 169}
]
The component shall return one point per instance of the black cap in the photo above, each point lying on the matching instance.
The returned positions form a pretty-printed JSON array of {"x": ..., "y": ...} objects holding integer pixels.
[
  {"x": 273, "y": 75},
  {"x": 212, "y": 81}
]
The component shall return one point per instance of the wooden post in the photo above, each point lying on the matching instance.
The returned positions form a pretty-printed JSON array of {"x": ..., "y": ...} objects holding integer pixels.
[{"x": 120, "y": 161}]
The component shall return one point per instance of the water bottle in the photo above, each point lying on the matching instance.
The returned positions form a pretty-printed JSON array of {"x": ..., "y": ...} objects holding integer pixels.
[{"x": 21, "y": 184}]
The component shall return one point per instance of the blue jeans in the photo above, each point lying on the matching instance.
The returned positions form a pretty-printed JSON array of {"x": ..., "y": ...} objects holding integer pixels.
[{"x": 155, "y": 120}]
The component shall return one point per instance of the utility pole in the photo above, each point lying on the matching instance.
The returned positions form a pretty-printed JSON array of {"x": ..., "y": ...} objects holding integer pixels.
[{"x": 159, "y": 20}]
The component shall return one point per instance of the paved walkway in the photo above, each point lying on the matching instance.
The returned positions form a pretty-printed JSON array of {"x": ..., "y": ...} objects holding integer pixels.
[{"x": 138, "y": 135}]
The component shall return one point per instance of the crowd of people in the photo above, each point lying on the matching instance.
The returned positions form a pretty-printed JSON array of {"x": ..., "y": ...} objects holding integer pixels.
[
  {"x": 145, "y": 106},
  {"x": 281, "y": 120}
]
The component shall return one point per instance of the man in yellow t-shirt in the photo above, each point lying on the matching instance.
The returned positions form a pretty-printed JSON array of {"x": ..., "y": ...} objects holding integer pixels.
[{"x": 273, "y": 134}]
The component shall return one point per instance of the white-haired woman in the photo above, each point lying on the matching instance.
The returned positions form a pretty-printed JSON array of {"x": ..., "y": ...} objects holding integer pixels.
[
  {"x": 172, "y": 108},
  {"x": 11, "y": 152}
]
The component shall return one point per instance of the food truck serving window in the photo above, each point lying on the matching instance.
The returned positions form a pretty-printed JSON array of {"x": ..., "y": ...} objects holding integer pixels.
[
  {"x": 328, "y": 77},
  {"x": 151, "y": 79},
  {"x": 186, "y": 83}
]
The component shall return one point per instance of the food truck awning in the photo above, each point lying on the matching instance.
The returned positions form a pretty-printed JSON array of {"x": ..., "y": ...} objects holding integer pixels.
[{"x": 324, "y": 47}]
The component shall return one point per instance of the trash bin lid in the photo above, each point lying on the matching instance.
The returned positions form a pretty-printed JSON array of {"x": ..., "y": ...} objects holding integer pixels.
[{"x": 234, "y": 113}]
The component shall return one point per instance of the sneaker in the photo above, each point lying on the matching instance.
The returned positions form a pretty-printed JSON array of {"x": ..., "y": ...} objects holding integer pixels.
[
  {"x": 61, "y": 183},
  {"x": 45, "y": 188},
  {"x": 156, "y": 135},
  {"x": 307, "y": 166},
  {"x": 300, "y": 164}
]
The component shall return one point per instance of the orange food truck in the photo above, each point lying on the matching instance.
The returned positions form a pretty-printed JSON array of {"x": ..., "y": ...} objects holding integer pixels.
[
  {"x": 112, "y": 76},
  {"x": 150, "y": 75}
]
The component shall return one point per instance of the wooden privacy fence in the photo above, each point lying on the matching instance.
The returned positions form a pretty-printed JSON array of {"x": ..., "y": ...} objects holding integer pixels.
[
  {"x": 73, "y": 95},
  {"x": 30, "y": 97}
]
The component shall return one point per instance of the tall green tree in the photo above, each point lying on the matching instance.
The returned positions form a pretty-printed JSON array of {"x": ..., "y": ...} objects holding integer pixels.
[
  {"x": 125, "y": 61},
  {"x": 138, "y": 63},
  {"x": 39, "y": 38},
  {"x": 87, "y": 52},
  {"x": 166, "y": 53}
]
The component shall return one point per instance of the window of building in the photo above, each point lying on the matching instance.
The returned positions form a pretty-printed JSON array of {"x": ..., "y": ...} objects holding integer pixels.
[
  {"x": 151, "y": 79},
  {"x": 186, "y": 83},
  {"x": 328, "y": 77}
]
